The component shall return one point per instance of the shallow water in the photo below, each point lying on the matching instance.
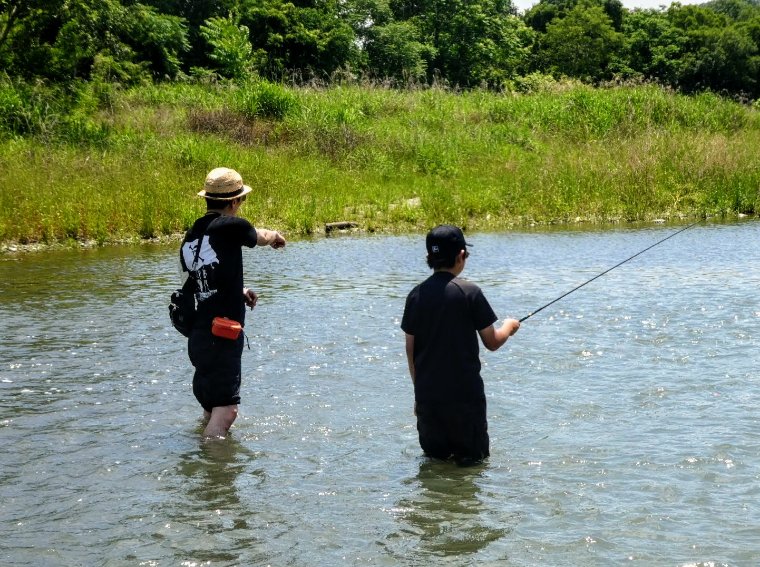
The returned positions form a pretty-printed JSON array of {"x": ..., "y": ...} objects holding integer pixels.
[{"x": 623, "y": 418}]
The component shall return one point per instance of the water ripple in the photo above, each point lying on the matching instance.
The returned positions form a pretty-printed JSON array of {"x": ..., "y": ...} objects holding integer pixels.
[{"x": 622, "y": 419}]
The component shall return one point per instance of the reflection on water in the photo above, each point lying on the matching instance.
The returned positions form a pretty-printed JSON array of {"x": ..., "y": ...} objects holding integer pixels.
[
  {"x": 444, "y": 514},
  {"x": 210, "y": 502},
  {"x": 623, "y": 419},
  {"x": 211, "y": 473}
]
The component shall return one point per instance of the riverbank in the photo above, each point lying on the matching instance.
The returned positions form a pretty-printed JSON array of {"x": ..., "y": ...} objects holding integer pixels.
[{"x": 389, "y": 161}]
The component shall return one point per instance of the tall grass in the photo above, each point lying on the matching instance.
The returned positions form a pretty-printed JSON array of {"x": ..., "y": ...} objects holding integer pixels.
[{"x": 104, "y": 164}]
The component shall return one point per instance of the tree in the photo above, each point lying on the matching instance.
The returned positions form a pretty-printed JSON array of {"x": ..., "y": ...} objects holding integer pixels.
[
  {"x": 11, "y": 12},
  {"x": 310, "y": 39},
  {"x": 736, "y": 10},
  {"x": 469, "y": 42},
  {"x": 583, "y": 44},
  {"x": 722, "y": 60},
  {"x": 654, "y": 46},
  {"x": 718, "y": 54},
  {"x": 542, "y": 14},
  {"x": 483, "y": 44},
  {"x": 158, "y": 39},
  {"x": 394, "y": 51},
  {"x": 195, "y": 14},
  {"x": 62, "y": 40},
  {"x": 26, "y": 29},
  {"x": 230, "y": 47}
]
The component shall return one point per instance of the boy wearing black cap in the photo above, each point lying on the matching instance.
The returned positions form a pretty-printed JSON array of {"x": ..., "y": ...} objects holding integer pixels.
[{"x": 443, "y": 317}]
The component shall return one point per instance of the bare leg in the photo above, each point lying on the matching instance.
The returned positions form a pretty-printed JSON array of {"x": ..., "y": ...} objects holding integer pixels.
[{"x": 220, "y": 421}]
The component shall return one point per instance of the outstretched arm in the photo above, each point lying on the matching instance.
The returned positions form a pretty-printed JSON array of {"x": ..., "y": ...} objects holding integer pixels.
[
  {"x": 266, "y": 237},
  {"x": 494, "y": 339}
]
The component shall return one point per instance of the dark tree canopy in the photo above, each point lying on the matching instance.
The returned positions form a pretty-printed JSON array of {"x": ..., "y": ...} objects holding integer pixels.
[{"x": 466, "y": 43}]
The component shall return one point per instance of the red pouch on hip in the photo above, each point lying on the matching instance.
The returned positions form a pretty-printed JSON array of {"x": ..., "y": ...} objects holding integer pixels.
[{"x": 225, "y": 328}]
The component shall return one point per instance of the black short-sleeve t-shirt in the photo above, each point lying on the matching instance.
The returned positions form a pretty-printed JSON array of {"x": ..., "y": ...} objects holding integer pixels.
[
  {"x": 218, "y": 270},
  {"x": 445, "y": 313}
]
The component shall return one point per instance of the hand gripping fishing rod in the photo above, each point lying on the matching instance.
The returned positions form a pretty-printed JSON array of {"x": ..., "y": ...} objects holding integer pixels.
[{"x": 607, "y": 271}]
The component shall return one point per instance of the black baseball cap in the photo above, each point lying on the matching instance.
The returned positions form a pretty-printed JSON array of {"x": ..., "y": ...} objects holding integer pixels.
[{"x": 445, "y": 241}]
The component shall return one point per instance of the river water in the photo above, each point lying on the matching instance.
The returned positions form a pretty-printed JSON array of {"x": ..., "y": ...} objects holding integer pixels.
[{"x": 624, "y": 418}]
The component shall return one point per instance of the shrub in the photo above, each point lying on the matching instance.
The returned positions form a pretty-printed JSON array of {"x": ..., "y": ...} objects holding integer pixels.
[
  {"x": 12, "y": 112},
  {"x": 266, "y": 100}
]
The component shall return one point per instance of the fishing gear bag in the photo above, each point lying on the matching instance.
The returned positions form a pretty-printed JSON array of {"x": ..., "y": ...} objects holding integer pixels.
[
  {"x": 182, "y": 309},
  {"x": 226, "y": 328}
]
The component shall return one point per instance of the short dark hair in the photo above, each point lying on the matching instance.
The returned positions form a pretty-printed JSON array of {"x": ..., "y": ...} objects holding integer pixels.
[
  {"x": 218, "y": 203},
  {"x": 438, "y": 263},
  {"x": 214, "y": 203}
]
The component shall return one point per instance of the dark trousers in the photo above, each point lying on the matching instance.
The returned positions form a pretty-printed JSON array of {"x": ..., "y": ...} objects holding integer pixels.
[
  {"x": 457, "y": 431},
  {"x": 216, "y": 381}
]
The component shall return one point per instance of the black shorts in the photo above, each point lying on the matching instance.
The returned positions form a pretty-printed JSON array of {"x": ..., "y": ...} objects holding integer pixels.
[
  {"x": 216, "y": 381},
  {"x": 457, "y": 431}
]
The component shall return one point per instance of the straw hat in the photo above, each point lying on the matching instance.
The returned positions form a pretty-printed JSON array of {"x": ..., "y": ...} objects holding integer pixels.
[{"x": 224, "y": 184}]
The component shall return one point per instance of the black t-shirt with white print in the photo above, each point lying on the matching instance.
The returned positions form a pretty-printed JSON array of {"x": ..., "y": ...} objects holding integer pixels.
[
  {"x": 218, "y": 272},
  {"x": 445, "y": 313}
]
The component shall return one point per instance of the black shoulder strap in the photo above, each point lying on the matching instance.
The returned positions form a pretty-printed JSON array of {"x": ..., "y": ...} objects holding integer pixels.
[{"x": 198, "y": 250}]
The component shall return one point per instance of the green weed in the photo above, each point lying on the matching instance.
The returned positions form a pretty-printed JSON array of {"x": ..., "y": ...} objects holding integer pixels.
[{"x": 108, "y": 164}]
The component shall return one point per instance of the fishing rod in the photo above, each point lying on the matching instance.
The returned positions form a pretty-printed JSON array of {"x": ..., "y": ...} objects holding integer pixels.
[{"x": 609, "y": 270}]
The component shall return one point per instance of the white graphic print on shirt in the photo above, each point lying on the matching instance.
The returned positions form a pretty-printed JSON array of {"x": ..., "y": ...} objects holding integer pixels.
[{"x": 204, "y": 267}]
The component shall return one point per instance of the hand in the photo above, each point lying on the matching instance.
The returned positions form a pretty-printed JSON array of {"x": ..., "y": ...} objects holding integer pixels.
[
  {"x": 511, "y": 325},
  {"x": 251, "y": 299},
  {"x": 278, "y": 241}
]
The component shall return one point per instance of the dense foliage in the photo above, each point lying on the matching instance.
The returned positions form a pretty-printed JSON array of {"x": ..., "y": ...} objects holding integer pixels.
[{"x": 462, "y": 43}]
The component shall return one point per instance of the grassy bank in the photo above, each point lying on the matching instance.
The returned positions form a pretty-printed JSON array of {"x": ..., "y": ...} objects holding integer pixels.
[{"x": 128, "y": 164}]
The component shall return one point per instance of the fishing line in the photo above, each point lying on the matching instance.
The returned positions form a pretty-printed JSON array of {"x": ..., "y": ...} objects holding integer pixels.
[{"x": 607, "y": 271}]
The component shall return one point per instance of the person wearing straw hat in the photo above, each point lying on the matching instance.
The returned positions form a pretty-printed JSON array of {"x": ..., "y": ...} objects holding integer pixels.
[
  {"x": 443, "y": 318},
  {"x": 211, "y": 255}
]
